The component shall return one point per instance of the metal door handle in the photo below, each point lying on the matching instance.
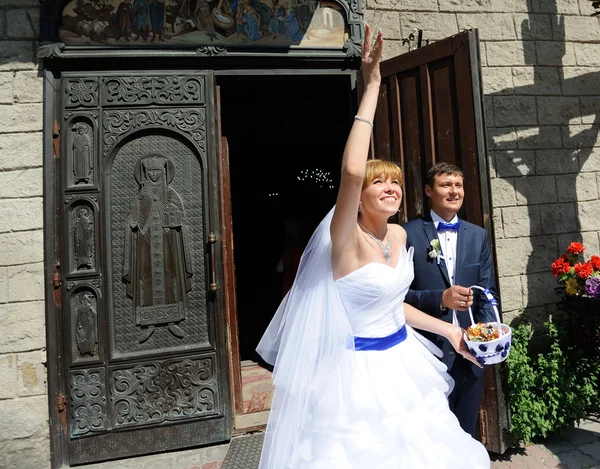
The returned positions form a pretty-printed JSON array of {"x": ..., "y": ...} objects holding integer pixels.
[{"x": 212, "y": 240}]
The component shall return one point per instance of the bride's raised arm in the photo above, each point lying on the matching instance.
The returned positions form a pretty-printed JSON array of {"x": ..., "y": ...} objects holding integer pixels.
[{"x": 343, "y": 224}]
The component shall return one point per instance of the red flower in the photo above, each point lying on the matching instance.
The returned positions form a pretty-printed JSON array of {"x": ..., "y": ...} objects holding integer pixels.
[
  {"x": 595, "y": 261},
  {"x": 575, "y": 248},
  {"x": 584, "y": 270},
  {"x": 560, "y": 267}
]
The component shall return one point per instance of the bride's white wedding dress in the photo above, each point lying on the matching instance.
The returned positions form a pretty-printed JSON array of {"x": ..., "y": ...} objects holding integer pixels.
[{"x": 340, "y": 404}]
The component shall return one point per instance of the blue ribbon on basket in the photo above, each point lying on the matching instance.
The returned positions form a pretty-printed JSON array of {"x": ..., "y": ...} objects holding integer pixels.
[{"x": 380, "y": 343}]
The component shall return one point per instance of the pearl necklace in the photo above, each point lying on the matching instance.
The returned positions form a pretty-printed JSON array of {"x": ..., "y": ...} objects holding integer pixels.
[{"x": 386, "y": 250}]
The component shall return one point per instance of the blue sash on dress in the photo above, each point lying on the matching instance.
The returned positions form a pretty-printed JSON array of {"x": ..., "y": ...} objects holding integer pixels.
[{"x": 380, "y": 343}]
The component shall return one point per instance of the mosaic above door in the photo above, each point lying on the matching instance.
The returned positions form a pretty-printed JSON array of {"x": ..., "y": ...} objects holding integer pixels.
[{"x": 245, "y": 23}]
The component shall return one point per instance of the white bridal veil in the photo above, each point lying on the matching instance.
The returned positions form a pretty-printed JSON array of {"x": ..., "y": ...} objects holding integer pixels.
[{"x": 309, "y": 339}]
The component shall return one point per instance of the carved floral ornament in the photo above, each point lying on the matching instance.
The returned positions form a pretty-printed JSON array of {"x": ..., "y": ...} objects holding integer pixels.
[{"x": 208, "y": 27}]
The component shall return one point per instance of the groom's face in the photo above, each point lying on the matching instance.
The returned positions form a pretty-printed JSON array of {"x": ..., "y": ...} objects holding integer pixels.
[{"x": 446, "y": 195}]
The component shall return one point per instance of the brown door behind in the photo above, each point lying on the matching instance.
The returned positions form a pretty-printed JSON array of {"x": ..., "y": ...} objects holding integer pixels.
[
  {"x": 144, "y": 359},
  {"x": 430, "y": 109}
]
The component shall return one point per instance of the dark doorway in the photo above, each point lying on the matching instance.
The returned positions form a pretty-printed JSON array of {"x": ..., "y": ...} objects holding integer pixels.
[{"x": 286, "y": 137}]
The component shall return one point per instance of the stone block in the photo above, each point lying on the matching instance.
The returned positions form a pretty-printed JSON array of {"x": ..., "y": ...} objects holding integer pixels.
[
  {"x": 581, "y": 136},
  {"x": 559, "y": 218},
  {"x": 502, "y": 138},
  {"x": 22, "y": 326},
  {"x": 558, "y": 110},
  {"x": 8, "y": 371},
  {"x": 585, "y": 8},
  {"x": 491, "y": 165},
  {"x": 587, "y": 55},
  {"x": 394, "y": 49},
  {"x": 497, "y": 80},
  {"x": 511, "y": 293},
  {"x": 523, "y": 221},
  {"x": 535, "y": 190},
  {"x": 21, "y": 151},
  {"x": 514, "y": 163},
  {"x": 506, "y": 53},
  {"x": 538, "y": 289},
  {"x": 581, "y": 81},
  {"x": 23, "y": 23},
  {"x": 28, "y": 87},
  {"x": 569, "y": 7},
  {"x": 589, "y": 215},
  {"x": 576, "y": 187},
  {"x": 556, "y": 162},
  {"x": 466, "y": 6},
  {"x": 589, "y": 240},
  {"x": 503, "y": 193},
  {"x": 26, "y": 282},
  {"x": 514, "y": 110},
  {"x": 545, "y": 136},
  {"x": 532, "y": 27},
  {"x": 21, "y": 214},
  {"x": 488, "y": 111},
  {"x": 21, "y": 183},
  {"x": 498, "y": 228},
  {"x": 576, "y": 29},
  {"x": 29, "y": 452},
  {"x": 492, "y": 26},
  {"x": 590, "y": 109},
  {"x": 536, "y": 81},
  {"x": 590, "y": 162},
  {"x": 403, "y": 5},
  {"x": 25, "y": 417},
  {"x": 18, "y": 55},
  {"x": 21, "y": 117},
  {"x": 519, "y": 256},
  {"x": 435, "y": 26},
  {"x": 555, "y": 53},
  {"x": 6, "y": 87},
  {"x": 3, "y": 285},
  {"x": 22, "y": 247},
  {"x": 387, "y": 21},
  {"x": 509, "y": 316}
]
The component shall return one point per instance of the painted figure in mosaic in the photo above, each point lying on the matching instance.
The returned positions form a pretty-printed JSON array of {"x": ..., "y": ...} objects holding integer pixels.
[
  {"x": 293, "y": 26},
  {"x": 84, "y": 238},
  {"x": 251, "y": 22},
  {"x": 82, "y": 154},
  {"x": 157, "y": 18},
  {"x": 199, "y": 12},
  {"x": 276, "y": 26},
  {"x": 123, "y": 18},
  {"x": 141, "y": 18},
  {"x": 156, "y": 264},
  {"x": 86, "y": 324}
]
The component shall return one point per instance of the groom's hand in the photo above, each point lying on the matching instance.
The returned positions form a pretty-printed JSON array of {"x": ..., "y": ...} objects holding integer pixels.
[{"x": 457, "y": 297}]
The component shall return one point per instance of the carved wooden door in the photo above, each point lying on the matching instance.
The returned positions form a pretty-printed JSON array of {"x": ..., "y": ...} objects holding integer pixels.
[
  {"x": 145, "y": 366},
  {"x": 430, "y": 109}
]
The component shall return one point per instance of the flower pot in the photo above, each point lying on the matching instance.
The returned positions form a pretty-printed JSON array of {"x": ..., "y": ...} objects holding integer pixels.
[{"x": 584, "y": 321}]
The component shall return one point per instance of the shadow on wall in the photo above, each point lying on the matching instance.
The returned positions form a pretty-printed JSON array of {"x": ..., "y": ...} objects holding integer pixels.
[{"x": 542, "y": 136}]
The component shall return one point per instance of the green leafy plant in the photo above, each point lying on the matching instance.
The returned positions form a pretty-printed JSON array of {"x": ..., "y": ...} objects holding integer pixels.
[{"x": 551, "y": 391}]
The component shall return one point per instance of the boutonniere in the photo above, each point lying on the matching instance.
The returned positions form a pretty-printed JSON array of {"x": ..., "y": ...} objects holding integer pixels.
[{"x": 434, "y": 251}]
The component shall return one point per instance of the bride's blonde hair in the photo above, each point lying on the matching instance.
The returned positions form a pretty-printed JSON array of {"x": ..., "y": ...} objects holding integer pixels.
[{"x": 377, "y": 168}]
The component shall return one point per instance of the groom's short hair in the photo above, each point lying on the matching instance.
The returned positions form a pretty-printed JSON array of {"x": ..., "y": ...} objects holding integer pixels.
[{"x": 442, "y": 169}]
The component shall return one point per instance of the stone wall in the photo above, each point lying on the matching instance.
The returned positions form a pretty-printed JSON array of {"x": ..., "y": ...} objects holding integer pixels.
[
  {"x": 24, "y": 440},
  {"x": 541, "y": 79}
]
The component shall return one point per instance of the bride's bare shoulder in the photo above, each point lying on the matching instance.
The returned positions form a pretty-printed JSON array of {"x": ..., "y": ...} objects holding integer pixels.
[{"x": 398, "y": 232}]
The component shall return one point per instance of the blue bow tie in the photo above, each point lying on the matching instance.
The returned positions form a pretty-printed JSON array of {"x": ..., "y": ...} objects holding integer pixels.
[{"x": 448, "y": 226}]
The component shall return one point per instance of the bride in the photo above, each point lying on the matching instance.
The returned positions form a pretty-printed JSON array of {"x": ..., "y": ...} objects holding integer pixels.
[{"x": 355, "y": 386}]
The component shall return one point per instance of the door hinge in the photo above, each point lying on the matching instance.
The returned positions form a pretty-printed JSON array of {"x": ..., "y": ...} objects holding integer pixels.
[
  {"x": 61, "y": 406},
  {"x": 56, "y": 139},
  {"x": 56, "y": 283},
  {"x": 483, "y": 426}
]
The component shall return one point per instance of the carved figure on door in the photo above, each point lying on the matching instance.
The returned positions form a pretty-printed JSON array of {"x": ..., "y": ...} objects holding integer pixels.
[
  {"x": 86, "y": 324},
  {"x": 82, "y": 154},
  {"x": 157, "y": 268},
  {"x": 84, "y": 238}
]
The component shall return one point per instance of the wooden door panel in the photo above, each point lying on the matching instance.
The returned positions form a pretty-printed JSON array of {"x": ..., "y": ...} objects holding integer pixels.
[
  {"x": 145, "y": 366},
  {"x": 430, "y": 109}
]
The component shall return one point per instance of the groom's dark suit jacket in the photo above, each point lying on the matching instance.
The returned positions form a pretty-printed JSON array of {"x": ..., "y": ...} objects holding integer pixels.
[{"x": 473, "y": 266}]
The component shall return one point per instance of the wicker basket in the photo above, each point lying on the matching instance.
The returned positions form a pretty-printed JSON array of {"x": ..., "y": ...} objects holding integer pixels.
[{"x": 493, "y": 351}]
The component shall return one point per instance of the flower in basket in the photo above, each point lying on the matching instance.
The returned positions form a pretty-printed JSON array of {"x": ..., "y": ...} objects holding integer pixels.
[{"x": 575, "y": 275}]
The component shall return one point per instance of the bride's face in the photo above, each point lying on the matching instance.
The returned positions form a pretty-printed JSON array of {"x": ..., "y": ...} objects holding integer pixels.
[{"x": 383, "y": 195}]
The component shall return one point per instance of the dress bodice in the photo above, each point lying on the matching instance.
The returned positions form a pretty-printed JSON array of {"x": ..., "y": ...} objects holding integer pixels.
[{"x": 373, "y": 295}]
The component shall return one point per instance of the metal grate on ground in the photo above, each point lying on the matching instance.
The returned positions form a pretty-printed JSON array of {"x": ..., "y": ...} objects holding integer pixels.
[{"x": 244, "y": 452}]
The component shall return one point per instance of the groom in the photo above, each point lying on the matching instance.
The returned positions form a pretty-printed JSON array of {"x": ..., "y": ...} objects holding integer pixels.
[{"x": 444, "y": 270}]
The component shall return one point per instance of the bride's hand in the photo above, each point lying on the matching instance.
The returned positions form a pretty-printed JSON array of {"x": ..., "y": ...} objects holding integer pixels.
[
  {"x": 371, "y": 56},
  {"x": 456, "y": 338}
]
